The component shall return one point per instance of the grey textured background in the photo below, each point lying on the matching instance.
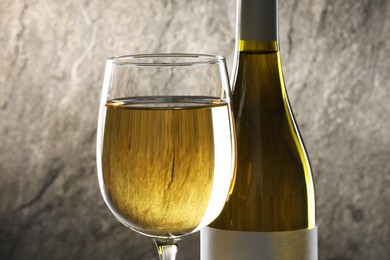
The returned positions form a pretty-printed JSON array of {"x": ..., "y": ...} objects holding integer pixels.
[{"x": 336, "y": 63}]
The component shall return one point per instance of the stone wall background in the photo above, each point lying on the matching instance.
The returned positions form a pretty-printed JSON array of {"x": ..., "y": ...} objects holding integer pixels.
[{"x": 336, "y": 64}]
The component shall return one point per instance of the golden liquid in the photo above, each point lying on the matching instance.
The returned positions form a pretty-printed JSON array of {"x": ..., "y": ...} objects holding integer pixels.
[
  {"x": 160, "y": 166},
  {"x": 274, "y": 188}
]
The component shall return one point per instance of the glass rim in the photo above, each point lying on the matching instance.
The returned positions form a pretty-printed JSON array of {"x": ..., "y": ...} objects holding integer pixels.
[{"x": 166, "y": 59}]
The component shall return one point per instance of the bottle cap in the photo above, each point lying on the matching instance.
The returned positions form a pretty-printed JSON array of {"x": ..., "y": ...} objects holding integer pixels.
[{"x": 258, "y": 20}]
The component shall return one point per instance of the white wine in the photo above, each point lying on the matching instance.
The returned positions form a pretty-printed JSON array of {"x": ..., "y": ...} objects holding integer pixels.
[
  {"x": 161, "y": 160},
  {"x": 271, "y": 212}
]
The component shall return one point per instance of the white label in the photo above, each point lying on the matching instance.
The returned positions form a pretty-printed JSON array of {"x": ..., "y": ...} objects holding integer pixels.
[{"x": 217, "y": 244}]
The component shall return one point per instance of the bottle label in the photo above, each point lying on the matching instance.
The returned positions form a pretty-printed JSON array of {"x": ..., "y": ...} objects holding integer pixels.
[{"x": 218, "y": 244}]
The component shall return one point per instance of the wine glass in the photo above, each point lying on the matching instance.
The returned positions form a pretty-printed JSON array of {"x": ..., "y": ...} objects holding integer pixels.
[{"x": 165, "y": 144}]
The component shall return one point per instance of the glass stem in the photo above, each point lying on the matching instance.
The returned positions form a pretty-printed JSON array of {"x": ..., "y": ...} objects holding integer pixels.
[{"x": 167, "y": 248}]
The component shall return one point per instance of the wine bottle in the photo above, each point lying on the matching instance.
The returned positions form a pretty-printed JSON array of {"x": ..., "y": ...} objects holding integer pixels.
[{"x": 271, "y": 211}]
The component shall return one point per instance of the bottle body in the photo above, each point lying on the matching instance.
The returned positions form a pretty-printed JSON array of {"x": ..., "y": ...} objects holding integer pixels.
[{"x": 271, "y": 212}]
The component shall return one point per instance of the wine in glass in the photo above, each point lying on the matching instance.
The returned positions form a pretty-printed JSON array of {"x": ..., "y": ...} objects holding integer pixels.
[{"x": 165, "y": 144}]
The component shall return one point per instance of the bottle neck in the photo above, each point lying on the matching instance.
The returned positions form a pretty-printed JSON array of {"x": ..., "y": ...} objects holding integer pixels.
[
  {"x": 258, "y": 46},
  {"x": 257, "y": 25},
  {"x": 256, "y": 30}
]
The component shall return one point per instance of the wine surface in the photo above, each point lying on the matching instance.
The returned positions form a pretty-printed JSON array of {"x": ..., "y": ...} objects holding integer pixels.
[
  {"x": 167, "y": 162},
  {"x": 274, "y": 189}
]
